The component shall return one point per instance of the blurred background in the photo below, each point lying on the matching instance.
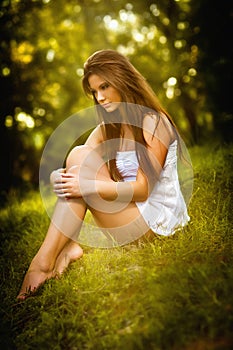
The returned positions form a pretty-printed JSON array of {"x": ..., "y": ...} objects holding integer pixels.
[{"x": 180, "y": 46}]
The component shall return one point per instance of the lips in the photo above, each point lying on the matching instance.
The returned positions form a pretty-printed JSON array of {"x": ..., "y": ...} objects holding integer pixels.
[{"x": 106, "y": 105}]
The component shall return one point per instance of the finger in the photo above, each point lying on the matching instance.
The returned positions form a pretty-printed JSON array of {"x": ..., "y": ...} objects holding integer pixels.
[
  {"x": 63, "y": 179},
  {"x": 59, "y": 186},
  {"x": 58, "y": 180},
  {"x": 67, "y": 176},
  {"x": 59, "y": 192},
  {"x": 62, "y": 195},
  {"x": 60, "y": 189},
  {"x": 61, "y": 170}
]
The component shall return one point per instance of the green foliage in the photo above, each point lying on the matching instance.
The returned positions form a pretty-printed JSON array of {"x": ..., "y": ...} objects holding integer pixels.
[
  {"x": 171, "y": 293},
  {"x": 44, "y": 44}
]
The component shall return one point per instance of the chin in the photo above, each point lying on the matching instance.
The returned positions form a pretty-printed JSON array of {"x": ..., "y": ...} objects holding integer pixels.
[{"x": 112, "y": 107}]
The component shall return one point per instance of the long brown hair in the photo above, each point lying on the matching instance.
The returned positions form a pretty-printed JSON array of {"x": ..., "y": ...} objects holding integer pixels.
[{"x": 137, "y": 95}]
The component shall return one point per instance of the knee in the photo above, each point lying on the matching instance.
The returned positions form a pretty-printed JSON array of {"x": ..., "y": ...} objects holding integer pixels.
[{"x": 77, "y": 155}]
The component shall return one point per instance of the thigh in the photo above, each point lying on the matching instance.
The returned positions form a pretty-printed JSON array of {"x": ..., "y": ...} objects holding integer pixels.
[
  {"x": 123, "y": 226},
  {"x": 120, "y": 221}
]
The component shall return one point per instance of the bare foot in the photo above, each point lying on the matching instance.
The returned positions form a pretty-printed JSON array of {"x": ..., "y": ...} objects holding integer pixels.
[
  {"x": 36, "y": 275},
  {"x": 33, "y": 279},
  {"x": 70, "y": 253}
]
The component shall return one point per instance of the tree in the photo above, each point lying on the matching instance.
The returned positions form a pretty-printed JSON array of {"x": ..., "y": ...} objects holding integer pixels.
[
  {"x": 45, "y": 42},
  {"x": 213, "y": 22}
]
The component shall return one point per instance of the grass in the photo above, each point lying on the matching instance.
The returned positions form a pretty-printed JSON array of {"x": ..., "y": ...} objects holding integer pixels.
[{"x": 172, "y": 293}]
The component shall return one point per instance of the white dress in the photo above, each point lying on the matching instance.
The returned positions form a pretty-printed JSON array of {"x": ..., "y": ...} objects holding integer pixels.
[{"x": 165, "y": 210}]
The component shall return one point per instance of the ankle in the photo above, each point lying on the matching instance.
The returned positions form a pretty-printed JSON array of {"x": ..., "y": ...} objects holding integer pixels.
[{"x": 41, "y": 264}]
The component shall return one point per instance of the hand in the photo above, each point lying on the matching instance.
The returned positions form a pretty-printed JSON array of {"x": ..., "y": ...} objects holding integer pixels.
[
  {"x": 66, "y": 186},
  {"x": 56, "y": 174},
  {"x": 73, "y": 184}
]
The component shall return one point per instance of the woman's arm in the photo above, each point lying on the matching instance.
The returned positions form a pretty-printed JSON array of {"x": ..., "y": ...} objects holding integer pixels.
[
  {"x": 132, "y": 191},
  {"x": 80, "y": 185},
  {"x": 158, "y": 134}
]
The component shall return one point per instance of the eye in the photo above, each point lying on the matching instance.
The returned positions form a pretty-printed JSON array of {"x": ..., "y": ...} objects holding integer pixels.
[{"x": 104, "y": 86}]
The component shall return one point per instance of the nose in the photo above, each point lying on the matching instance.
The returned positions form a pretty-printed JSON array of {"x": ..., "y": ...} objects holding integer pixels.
[{"x": 100, "y": 96}]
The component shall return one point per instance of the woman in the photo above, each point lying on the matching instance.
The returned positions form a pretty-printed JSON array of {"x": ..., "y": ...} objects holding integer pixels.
[{"x": 125, "y": 174}]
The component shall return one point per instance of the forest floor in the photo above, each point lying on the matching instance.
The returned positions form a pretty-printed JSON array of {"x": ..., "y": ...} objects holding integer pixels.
[{"x": 175, "y": 293}]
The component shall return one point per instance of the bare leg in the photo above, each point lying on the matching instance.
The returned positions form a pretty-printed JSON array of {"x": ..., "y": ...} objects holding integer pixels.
[
  {"x": 70, "y": 253},
  {"x": 59, "y": 248},
  {"x": 55, "y": 246},
  {"x": 41, "y": 267}
]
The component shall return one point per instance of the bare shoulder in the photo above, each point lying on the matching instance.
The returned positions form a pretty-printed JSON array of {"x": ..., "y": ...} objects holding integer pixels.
[
  {"x": 96, "y": 137},
  {"x": 150, "y": 122},
  {"x": 158, "y": 126}
]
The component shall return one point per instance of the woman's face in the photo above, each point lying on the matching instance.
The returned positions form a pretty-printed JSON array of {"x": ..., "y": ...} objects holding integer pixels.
[{"x": 106, "y": 95}]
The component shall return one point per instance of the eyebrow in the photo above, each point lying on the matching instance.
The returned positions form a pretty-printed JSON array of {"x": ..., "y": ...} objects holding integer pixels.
[{"x": 100, "y": 85}]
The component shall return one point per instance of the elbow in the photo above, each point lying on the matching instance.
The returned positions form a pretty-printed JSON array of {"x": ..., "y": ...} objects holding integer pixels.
[
  {"x": 142, "y": 187},
  {"x": 144, "y": 193},
  {"x": 143, "y": 197}
]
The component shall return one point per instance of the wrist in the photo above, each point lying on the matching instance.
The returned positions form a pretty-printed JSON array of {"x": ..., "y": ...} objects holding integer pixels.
[{"x": 106, "y": 189}]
